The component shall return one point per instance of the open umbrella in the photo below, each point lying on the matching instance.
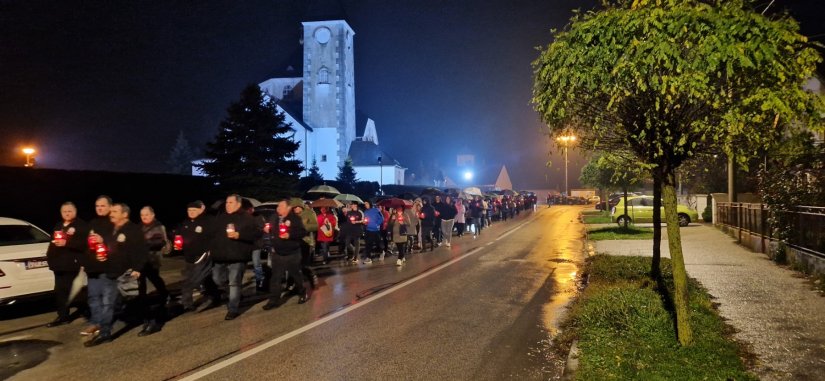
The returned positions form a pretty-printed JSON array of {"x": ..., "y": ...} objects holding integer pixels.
[
  {"x": 432, "y": 192},
  {"x": 509, "y": 192},
  {"x": 347, "y": 198},
  {"x": 326, "y": 203},
  {"x": 324, "y": 189},
  {"x": 395, "y": 203},
  {"x": 473, "y": 191}
]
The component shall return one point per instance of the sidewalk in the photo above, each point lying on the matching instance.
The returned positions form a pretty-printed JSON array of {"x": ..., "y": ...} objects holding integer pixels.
[{"x": 774, "y": 311}]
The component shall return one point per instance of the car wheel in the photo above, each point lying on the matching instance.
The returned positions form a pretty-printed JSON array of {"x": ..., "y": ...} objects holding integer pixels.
[
  {"x": 684, "y": 220},
  {"x": 621, "y": 220}
]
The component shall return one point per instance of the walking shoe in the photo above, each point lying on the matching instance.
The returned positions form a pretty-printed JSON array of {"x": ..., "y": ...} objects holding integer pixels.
[
  {"x": 313, "y": 281},
  {"x": 381, "y": 258},
  {"x": 304, "y": 298},
  {"x": 399, "y": 262},
  {"x": 149, "y": 329},
  {"x": 58, "y": 322},
  {"x": 355, "y": 260},
  {"x": 367, "y": 260},
  {"x": 97, "y": 340},
  {"x": 90, "y": 330},
  {"x": 231, "y": 316},
  {"x": 447, "y": 244}
]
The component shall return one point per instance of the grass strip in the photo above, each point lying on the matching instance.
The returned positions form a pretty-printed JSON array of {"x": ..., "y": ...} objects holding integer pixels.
[
  {"x": 619, "y": 232},
  {"x": 626, "y": 332}
]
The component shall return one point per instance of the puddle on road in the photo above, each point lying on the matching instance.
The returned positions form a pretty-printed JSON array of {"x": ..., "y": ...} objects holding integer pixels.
[{"x": 19, "y": 355}]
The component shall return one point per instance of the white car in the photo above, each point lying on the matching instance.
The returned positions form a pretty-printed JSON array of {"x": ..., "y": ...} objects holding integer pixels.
[{"x": 24, "y": 271}]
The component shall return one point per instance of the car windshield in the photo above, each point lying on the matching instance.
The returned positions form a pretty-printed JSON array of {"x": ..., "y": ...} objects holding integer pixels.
[{"x": 21, "y": 235}]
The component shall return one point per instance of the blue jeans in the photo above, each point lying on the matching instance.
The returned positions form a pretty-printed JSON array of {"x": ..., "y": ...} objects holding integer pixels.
[
  {"x": 257, "y": 266},
  {"x": 103, "y": 294},
  {"x": 233, "y": 273}
]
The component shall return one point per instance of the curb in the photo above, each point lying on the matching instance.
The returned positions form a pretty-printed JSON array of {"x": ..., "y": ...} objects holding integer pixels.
[{"x": 572, "y": 363}]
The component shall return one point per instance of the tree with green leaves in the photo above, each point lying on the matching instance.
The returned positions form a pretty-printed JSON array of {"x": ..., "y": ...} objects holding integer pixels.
[
  {"x": 254, "y": 153},
  {"x": 181, "y": 157},
  {"x": 668, "y": 79},
  {"x": 346, "y": 176},
  {"x": 611, "y": 171}
]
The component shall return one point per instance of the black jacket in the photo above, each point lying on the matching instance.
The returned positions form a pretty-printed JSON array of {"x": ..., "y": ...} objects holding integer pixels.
[
  {"x": 446, "y": 211},
  {"x": 197, "y": 236},
  {"x": 351, "y": 224},
  {"x": 235, "y": 250},
  {"x": 154, "y": 235},
  {"x": 67, "y": 258},
  {"x": 429, "y": 215},
  {"x": 104, "y": 227},
  {"x": 295, "y": 228},
  {"x": 127, "y": 250}
]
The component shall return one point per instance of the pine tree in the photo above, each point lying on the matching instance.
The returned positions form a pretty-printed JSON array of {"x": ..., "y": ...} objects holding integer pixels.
[
  {"x": 346, "y": 175},
  {"x": 181, "y": 157},
  {"x": 253, "y": 153},
  {"x": 313, "y": 178}
]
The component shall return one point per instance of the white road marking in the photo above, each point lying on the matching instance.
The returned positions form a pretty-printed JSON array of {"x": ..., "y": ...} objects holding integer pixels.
[
  {"x": 264, "y": 346},
  {"x": 15, "y": 338}
]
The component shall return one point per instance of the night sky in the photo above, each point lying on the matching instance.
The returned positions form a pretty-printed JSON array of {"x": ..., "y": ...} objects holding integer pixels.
[{"x": 109, "y": 85}]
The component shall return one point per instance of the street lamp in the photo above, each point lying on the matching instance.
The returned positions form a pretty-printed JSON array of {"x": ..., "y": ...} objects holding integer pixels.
[
  {"x": 28, "y": 151},
  {"x": 566, "y": 140},
  {"x": 380, "y": 176}
]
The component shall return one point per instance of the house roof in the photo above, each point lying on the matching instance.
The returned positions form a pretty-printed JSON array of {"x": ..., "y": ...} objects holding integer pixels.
[{"x": 364, "y": 154}]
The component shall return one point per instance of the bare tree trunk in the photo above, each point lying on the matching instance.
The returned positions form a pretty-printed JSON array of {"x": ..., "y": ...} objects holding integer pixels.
[
  {"x": 655, "y": 266},
  {"x": 681, "y": 297}
]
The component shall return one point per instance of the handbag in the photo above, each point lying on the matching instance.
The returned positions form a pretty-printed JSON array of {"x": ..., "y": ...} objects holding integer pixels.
[
  {"x": 167, "y": 246},
  {"x": 127, "y": 285}
]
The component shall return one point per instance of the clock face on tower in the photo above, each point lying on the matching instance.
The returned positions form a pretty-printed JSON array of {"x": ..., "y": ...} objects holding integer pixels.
[{"x": 322, "y": 35}]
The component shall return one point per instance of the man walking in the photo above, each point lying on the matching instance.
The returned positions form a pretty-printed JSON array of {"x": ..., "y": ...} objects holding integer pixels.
[
  {"x": 100, "y": 226},
  {"x": 124, "y": 252},
  {"x": 351, "y": 229},
  {"x": 447, "y": 212},
  {"x": 196, "y": 234},
  {"x": 288, "y": 233},
  {"x": 232, "y": 250},
  {"x": 373, "y": 219},
  {"x": 64, "y": 253}
]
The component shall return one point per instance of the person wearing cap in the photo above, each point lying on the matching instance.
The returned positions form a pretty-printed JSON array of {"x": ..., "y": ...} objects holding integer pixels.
[
  {"x": 196, "y": 233},
  {"x": 232, "y": 250}
]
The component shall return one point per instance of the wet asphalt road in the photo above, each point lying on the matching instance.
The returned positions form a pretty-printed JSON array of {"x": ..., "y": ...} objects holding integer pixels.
[{"x": 484, "y": 309}]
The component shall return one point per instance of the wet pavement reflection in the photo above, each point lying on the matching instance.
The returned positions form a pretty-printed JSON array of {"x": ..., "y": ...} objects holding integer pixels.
[{"x": 19, "y": 355}]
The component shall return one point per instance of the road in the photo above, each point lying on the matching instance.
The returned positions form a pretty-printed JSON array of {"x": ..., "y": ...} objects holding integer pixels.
[{"x": 483, "y": 309}]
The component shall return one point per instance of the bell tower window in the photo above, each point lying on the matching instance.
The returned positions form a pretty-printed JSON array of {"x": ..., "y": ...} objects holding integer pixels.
[{"x": 323, "y": 75}]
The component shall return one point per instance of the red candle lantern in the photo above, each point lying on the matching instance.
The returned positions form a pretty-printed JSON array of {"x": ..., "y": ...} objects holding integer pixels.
[
  {"x": 178, "y": 243},
  {"x": 282, "y": 229},
  {"x": 351, "y": 218},
  {"x": 59, "y": 235},
  {"x": 101, "y": 252},
  {"x": 92, "y": 242}
]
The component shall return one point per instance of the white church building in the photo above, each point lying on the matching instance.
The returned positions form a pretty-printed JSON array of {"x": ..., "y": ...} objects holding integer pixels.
[{"x": 319, "y": 103}]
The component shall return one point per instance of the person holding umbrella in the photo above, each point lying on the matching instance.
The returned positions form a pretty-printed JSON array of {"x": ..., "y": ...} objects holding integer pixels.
[{"x": 399, "y": 226}]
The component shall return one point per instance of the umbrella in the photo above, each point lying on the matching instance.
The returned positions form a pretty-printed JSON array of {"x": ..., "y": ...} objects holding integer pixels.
[
  {"x": 326, "y": 203},
  {"x": 347, "y": 198},
  {"x": 395, "y": 203},
  {"x": 432, "y": 191},
  {"x": 323, "y": 189},
  {"x": 509, "y": 192},
  {"x": 408, "y": 196},
  {"x": 472, "y": 191}
]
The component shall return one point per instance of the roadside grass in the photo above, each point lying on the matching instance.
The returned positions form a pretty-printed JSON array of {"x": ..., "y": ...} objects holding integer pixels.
[
  {"x": 625, "y": 330},
  {"x": 596, "y": 217},
  {"x": 619, "y": 232}
]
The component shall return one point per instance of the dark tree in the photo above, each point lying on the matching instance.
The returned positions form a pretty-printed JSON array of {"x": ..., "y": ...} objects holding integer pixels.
[
  {"x": 253, "y": 153},
  {"x": 346, "y": 176},
  {"x": 181, "y": 157},
  {"x": 313, "y": 178}
]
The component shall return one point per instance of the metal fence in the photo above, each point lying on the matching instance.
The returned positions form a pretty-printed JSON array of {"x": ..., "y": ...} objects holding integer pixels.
[{"x": 807, "y": 223}]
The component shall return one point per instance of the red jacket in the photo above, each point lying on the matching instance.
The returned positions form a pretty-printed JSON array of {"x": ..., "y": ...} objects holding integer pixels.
[{"x": 323, "y": 218}]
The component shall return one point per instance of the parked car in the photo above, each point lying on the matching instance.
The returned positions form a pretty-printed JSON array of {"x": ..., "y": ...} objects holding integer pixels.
[
  {"x": 24, "y": 271},
  {"x": 640, "y": 209}
]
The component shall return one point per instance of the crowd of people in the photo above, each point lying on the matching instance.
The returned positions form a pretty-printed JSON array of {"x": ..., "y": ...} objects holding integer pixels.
[{"x": 117, "y": 256}]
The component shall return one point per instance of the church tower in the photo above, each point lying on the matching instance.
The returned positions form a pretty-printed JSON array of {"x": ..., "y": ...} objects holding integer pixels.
[{"x": 329, "y": 90}]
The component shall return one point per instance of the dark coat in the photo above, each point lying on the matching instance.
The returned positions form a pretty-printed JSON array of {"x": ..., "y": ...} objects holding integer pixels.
[
  {"x": 296, "y": 231},
  {"x": 351, "y": 224},
  {"x": 227, "y": 250},
  {"x": 104, "y": 227},
  {"x": 67, "y": 258},
  {"x": 197, "y": 236},
  {"x": 446, "y": 211},
  {"x": 127, "y": 250},
  {"x": 429, "y": 215}
]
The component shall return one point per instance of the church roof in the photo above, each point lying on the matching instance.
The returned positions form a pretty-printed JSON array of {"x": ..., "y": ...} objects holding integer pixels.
[
  {"x": 294, "y": 110},
  {"x": 365, "y": 154}
]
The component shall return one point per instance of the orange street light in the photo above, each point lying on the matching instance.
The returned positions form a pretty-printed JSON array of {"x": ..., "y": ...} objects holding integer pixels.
[
  {"x": 566, "y": 140},
  {"x": 28, "y": 151}
]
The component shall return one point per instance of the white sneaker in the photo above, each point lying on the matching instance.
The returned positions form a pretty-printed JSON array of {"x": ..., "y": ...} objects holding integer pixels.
[
  {"x": 448, "y": 244},
  {"x": 368, "y": 260},
  {"x": 399, "y": 262},
  {"x": 381, "y": 258}
]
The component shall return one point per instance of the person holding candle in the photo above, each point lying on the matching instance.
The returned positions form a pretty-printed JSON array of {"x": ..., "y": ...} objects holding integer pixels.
[
  {"x": 427, "y": 217},
  {"x": 155, "y": 234},
  {"x": 194, "y": 236},
  {"x": 399, "y": 226},
  {"x": 328, "y": 223},
  {"x": 373, "y": 219},
  {"x": 352, "y": 227},
  {"x": 93, "y": 261},
  {"x": 288, "y": 232},
  {"x": 127, "y": 254},
  {"x": 232, "y": 250},
  {"x": 67, "y": 247}
]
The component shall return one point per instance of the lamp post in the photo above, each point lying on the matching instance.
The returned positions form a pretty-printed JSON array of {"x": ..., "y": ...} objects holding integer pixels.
[
  {"x": 566, "y": 140},
  {"x": 380, "y": 176},
  {"x": 28, "y": 151}
]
